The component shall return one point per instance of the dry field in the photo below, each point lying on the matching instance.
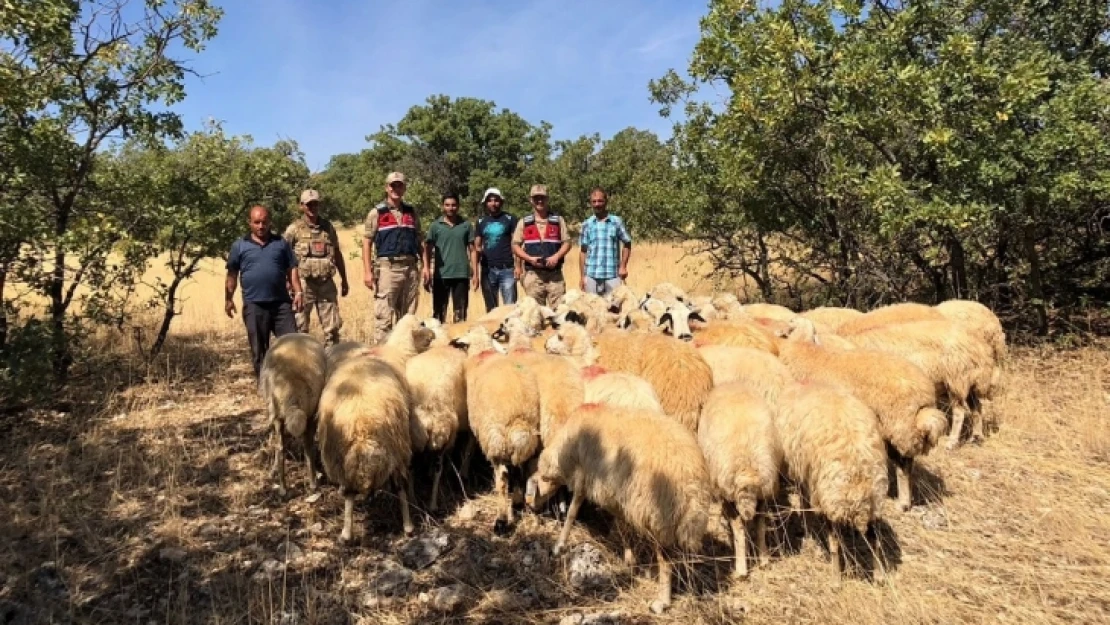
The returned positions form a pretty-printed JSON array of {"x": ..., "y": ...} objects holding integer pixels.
[{"x": 150, "y": 503}]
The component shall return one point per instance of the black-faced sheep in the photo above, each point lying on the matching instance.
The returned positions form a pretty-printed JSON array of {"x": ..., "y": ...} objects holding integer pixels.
[{"x": 290, "y": 381}]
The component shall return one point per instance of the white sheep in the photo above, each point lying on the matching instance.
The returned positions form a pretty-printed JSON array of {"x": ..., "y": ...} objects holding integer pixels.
[
  {"x": 738, "y": 439},
  {"x": 774, "y": 312},
  {"x": 668, "y": 293},
  {"x": 364, "y": 432},
  {"x": 618, "y": 389},
  {"x": 640, "y": 466},
  {"x": 437, "y": 382},
  {"x": 829, "y": 318},
  {"x": 891, "y": 314},
  {"x": 290, "y": 381},
  {"x": 902, "y": 396},
  {"x": 834, "y": 453},
  {"x": 623, "y": 299},
  {"x": 759, "y": 370}
]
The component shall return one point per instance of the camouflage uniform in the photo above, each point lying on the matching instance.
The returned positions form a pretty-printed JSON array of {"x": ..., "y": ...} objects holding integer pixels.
[
  {"x": 396, "y": 238},
  {"x": 315, "y": 248}
]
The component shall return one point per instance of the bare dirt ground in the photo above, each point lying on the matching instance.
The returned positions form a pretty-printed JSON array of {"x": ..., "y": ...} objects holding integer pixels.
[{"x": 157, "y": 508}]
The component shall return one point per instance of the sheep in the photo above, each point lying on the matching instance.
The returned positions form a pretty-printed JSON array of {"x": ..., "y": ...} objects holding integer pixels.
[
  {"x": 829, "y": 318},
  {"x": 756, "y": 368},
  {"x": 619, "y": 389},
  {"x": 668, "y": 293},
  {"x": 504, "y": 410},
  {"x": 290, "y": 381},
  {"x": 738, "y": 439},
  {"x": 675, "y": 321},
  {"x": 887, "y": 315},
  {"x": 703, "y": 305},
  {"x": 645, "y": 468},
  {"x": 408, "y": 338},
  {"x": 336, "y": 353},
  {"x": 364, "y": 432},
  {"x": 637, "y": 320},
  {"x": 980, "y": 321},
  {"x": 960, "y": 365},
  {"x": 834, "y": 453},
  {"x": 623, "y": 299},
  {"x": 437, "y": 383},
  {"x": 677, "y": 372},
  {"x": 902, "y": 396},
  {"x": 768, "y": 311},
  {"x": 589, "y": 310},
  {"x": 737, "y": 333},
  {"x": 727, "y": 306}
]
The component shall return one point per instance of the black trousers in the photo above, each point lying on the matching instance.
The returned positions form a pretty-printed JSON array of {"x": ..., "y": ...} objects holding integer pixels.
[
  {"x": 263, "y": 319},
  {"x": 458, "y": 289}
]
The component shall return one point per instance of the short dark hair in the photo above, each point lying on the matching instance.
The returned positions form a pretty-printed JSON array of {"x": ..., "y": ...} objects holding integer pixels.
[
  {"x": 599, "y": 190},
  {"x": 450, "y": 196}
]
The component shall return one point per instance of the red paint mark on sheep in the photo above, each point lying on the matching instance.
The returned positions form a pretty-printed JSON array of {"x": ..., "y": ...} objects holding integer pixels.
[
  {"x": 593, "y": 371},
  {"x": 590, "y": 406}
]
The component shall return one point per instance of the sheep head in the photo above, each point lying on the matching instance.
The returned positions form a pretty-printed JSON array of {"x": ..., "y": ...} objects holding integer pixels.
[
  {"x": 572, "y": 340},
  {"x": 476, "y": 340},
  {"x": 676, "y": 321},
  {"x": 799, "y": 329}
]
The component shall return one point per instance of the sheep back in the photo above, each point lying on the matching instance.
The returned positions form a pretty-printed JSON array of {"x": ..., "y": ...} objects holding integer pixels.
[
  {"x": 829, "y": 318},
  {"x": 737, "y": 333},
  {"x": 640, "y": 465},
  {"x": 504, "y": 407},
  {"x": 742, "y": 452},
  {"x": 619, "y": 389},
  {"x": 979, "y": 320},
  {"x": 364, "y": 424},
  {"x": 291, "y": 379},
  {"x": 892, "y": 314},
  {"x": 437, "y": 382}
]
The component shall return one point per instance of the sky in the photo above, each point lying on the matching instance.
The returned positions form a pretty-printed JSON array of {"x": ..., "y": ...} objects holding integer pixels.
[{"x": 329, "y": 72}]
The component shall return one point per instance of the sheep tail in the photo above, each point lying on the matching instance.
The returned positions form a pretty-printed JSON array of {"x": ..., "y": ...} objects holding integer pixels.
[
  {"x": 367, "y": 465},
  {"x": 523, "y": 444},
  {"x": 932, "y": 424},
  {"x": 693, "y": 520}
]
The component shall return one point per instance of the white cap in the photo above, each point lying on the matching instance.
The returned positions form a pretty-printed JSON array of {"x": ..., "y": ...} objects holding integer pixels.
[{"x": 491, "y": 191}]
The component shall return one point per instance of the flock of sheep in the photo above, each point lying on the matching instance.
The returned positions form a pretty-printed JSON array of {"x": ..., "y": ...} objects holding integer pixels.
[{"x": 654, "y": 406}]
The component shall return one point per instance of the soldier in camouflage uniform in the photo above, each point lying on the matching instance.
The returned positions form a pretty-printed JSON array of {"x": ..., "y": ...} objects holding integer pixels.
[{"x": 316, "y": 247}]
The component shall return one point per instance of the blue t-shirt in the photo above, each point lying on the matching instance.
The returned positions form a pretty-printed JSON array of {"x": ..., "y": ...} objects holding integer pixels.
[
  {"x": 262, "y": 268},
  {"x": 497, "y": 234}
]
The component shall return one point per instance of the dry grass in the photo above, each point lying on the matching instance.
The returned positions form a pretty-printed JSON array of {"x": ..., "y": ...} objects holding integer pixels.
[{"x": 153, "y": 504}]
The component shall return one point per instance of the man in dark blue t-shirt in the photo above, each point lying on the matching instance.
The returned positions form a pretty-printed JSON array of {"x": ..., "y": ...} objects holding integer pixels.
[
  {"x": 498, "y": 268},
  {"x": 267, "y": 267}
]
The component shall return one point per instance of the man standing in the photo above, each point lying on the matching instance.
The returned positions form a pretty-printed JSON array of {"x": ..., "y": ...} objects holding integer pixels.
[
  {"x": 604, "y": 240},
  {"x": 540, "y": 242},
  {"x": 392, "y": 229},
  {"x": 316, "y": 247},
  {"x": 450, "y": 261},
  {"x": 498, "y": 270},
  {"x": 265, "y": 263}
]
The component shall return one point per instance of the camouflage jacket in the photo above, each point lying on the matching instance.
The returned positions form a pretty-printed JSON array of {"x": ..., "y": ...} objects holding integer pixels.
[{"x": 315, "y": 247}]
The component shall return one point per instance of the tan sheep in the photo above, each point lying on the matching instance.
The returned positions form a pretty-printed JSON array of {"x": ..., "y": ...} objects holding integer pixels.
[
  {"x": 290, "y": 381},
  {"x": 902, "y": 396},
  {"x": 437, "y": 383},
  {"x": 618, "y": 389},
  {"x": 980, "y": 321},
  {"x": 623, "y": 299},
  {"x": 680, "y": 376},
  {"x": 737, "y": 333},
  {"x": 727, "y": 306},
  {"x": 958, "y": 362},
  {"x": 408, "y": 338},
  {"x": 738, "y": 439},
  {"x": 774, "y": 312},
  {"x": 668, "y": 293},
  {"x": 757, "y": 369},
  {"x": 364, "y": 432},
  {"x": 637, "y": 320},
  {"x": 888, "y": 315},
  {"x": 829, "y": 318},
  {"x": 833, "y": 451},
  {"x": 503, "y": 403},
  {"x": 640, "y": 466}
]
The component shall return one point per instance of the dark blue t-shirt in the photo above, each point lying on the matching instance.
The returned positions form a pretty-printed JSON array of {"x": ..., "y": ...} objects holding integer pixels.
[
  {"x": 497, "y": 234},
  {"x": 262, "y": 268}
]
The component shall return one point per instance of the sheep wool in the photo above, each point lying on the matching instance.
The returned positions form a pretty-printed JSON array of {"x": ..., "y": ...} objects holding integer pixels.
[
  {"x": 644, "y": 468},
  {"x": 888, "y": 315},
  {"x": 742, "y": 452},
  {"x": 437, "y": 382},
  {"x": 619, "y": 389},
  {"x": 364, "y": 432},
  {"x": 768, "y": 311},
  {"x": 290, "y": 382},
  {"x": 829, "y": 318},
  {"x": 756, "y": 368},
  {"x": 737, "y": 332}
]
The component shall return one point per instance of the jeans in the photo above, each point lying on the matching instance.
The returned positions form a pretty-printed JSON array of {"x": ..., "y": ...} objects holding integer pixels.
[
  {"x": 498, "y": 280},
  {"x": 459, "y": 291},
  {"x": 601, "y": 287},
  {"x": 262, "y": 319}
]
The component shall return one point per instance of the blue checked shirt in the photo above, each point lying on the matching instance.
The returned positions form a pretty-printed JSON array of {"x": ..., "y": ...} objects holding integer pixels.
[{"x": 602, "y": 240}]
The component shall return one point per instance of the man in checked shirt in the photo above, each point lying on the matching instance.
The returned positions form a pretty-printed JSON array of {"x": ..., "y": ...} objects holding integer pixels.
[{"x": 606, "y": 247}]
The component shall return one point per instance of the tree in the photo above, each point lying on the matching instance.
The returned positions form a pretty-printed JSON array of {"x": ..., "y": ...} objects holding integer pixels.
[{"x": 98, "y": 72}]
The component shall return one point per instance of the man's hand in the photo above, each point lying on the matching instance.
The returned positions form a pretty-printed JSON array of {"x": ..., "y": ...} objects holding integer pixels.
[
  {"x": 298, "y": 301},
  {"x": 426, "y": 278},
  {"x": 622, "y": 273},
  {"x": 582, "y": 283},
  {"x": 550, "y": 261},
  {"x": 368, "y": 280},
  {"x": 229, "y": 308},
  {"x": 474, "y": 283},
  {"x": 517, "y": 273},
  {"x": 344, "y": 288}
]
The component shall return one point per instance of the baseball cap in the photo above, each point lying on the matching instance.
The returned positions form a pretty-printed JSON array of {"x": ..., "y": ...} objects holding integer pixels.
[
  {"x": 395, "y": 176},
  {"x": 491, "y": 191},
  {"x": 538, "y": 189},
  {"x": 310, "y": 195}
]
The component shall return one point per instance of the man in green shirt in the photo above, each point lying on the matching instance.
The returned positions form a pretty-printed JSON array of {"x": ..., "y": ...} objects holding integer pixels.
[{"x": 451, "y": 241}]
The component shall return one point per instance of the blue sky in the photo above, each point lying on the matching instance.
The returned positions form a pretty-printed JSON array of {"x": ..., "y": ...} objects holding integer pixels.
[{"x": 329, "y": 73}]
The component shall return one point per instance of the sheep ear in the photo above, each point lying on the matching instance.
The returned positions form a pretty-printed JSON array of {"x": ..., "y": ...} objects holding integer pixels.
[
  {"x": 696, "y": 316},
  {"x": 460, "y": 343},
  {"x": 623, "y": 322},
  {"x": 666, "y": 322},
  {"x": 575, "y": 317}
]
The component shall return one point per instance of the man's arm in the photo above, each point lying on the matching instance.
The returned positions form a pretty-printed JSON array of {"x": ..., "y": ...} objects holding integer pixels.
[
  {"x": 564, "y": 248},
  {"x": 426, "y": 274},
  {"x": 340, "y": 264},
  {"x": 370, "y": 229},
  {"x": 626, "y": 251},
  {"x": 518, "y": 239},
  {"x": 298, "y": 295},
  {"x": 229, "y": 291},
  {"x": 583, "y": 244}
]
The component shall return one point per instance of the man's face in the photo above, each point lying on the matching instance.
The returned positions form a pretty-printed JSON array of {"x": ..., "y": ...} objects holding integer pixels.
[
  {"x": 260, "y": 222},
  {"x": 450, "y": 207},
  {"x": 493, "y": 203},
  {"x": 598, "y": 201},
  {"x": 312, "y": 208},
  {"x": 395, "y": 190},
  {"x": 539, "y": 202}
]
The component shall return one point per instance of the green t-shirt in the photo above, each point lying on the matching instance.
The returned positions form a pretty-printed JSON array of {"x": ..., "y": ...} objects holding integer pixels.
[{"x": 451, "y": 258}]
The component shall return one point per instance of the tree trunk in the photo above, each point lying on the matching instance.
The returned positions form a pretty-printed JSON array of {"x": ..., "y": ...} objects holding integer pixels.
[
  {"x": 3, "y": 309},
  {"x": 171, "y": 307},
  {"x": 60, "y": 356},
  {"x": 1036, "y": 280},
  {"x": 764, "y": 268},
  {"x": 957, "y": 264}
]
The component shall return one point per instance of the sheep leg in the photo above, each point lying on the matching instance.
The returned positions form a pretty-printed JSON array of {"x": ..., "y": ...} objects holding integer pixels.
[
  {"x": 464, "y": 462},
  {"x": 501, "y": 487},
  {"x": 403, "y": 491},
  {"x": 663, "y": 599},
  {"x": 876, "y": 544},
  {"x": 834, "y": 552},
  {"x": 279, "y": 458},
  {"x": 904, "y": 468},
  {"x": 976, "y": 419},
  {"x": 739, "y": 539},
  {"x": 348, "y": 515},
  {"x": 433, "y": 501},
  {"x": 959, "y": 413},
  {"x": 310, "y": 465},
  {"x": 759, "y": 533},
  {"x": 572, "y": 512}
]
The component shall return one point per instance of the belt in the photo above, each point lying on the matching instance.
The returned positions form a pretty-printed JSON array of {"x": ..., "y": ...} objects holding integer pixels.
[
  {"x": 509, "y": 266},
  {"x": 411, "y": 257}
]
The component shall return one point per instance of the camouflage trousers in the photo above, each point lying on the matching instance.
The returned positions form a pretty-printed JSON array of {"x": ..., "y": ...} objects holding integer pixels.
[
  {"x": 545, "y": 285},
  {"x": 395, "y": 294},
  {"x": 322, "y": 296}
]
